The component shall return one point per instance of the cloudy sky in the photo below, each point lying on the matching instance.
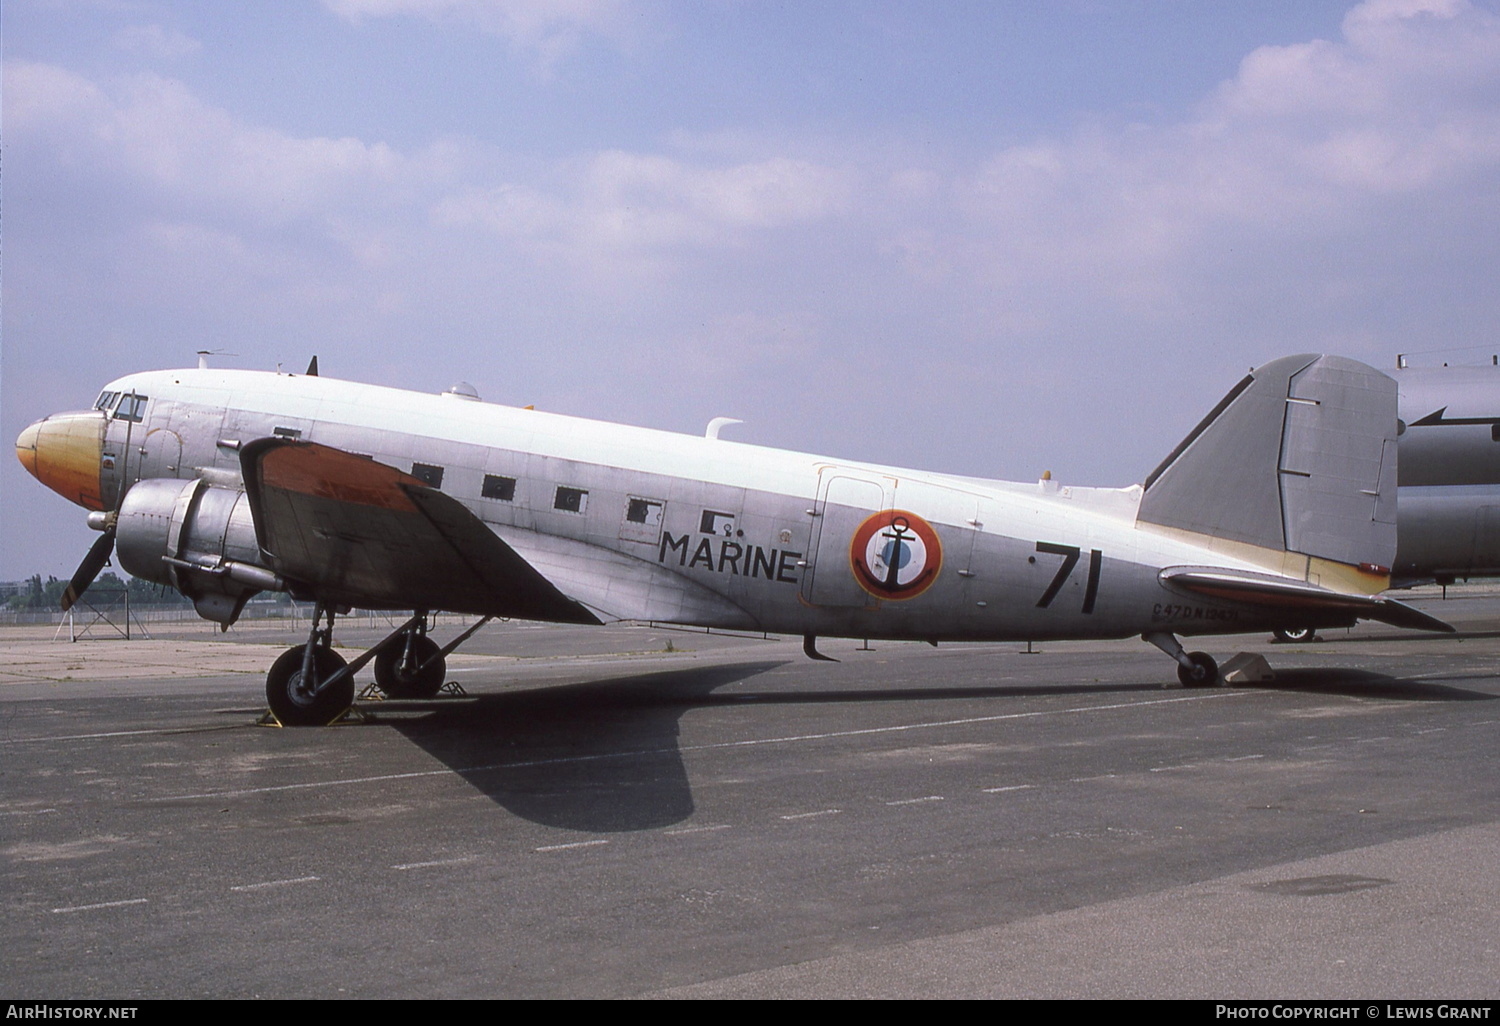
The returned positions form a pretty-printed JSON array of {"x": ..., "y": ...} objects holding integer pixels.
[{"x": 990, "y": 237}]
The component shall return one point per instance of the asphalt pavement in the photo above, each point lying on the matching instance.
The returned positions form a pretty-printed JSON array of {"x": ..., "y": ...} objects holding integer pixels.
[{"x": 637, "y": 812}]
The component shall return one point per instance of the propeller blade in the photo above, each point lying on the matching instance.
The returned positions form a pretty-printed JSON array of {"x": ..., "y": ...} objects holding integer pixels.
[{"x": 99, "y": 554}]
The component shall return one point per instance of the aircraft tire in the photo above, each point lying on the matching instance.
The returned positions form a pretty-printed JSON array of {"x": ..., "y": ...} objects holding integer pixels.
[
  {"x": 1204, "y": 673},
  {"x": 293, "y": 706},
  {"x": 425, "y": 684},
  {"x": 1294, "y": 634}
]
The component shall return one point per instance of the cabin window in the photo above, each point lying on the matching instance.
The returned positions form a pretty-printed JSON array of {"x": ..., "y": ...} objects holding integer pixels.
[
  {"x": 132, "y": 407},
  {"x": 286, "y": 432},
  {"x": 428, "y": 474},
  {"x": 713, "y": 522},
  {"x": 643, "y": 519},
  {"x": 496, "y": 487},
  {"x": 571, "y": 500},
  {"x": 643, "y": 511}
]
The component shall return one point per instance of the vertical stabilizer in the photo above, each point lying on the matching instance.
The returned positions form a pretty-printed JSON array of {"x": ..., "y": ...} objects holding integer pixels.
[{"x": 1300, "y": 457}]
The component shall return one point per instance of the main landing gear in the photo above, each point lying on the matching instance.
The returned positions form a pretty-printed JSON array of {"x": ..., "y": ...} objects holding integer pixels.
[
  {"x": 1194, "y": 669},
  {"x": 412, "y": 668},
  {"x": 312, "y": 685}
]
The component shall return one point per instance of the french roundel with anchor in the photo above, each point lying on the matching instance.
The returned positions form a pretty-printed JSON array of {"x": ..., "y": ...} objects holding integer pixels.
[{"x": 895, "y": 554}]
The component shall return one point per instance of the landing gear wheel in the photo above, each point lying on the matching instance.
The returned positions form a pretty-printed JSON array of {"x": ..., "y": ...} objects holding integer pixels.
[
  {"x": 1294, "y": 634},
  {"x": 1204, "y": 672},
  {"x": 294, "y": 703},
  {"x": 423, "y": 683}
]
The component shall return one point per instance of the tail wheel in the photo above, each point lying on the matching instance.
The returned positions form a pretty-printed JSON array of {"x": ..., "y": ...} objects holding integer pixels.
[
  {"x": 1294, "y": 634},
  {"x": 1203, "y": 673},
  {"x": 292, "y": 699},
  {"x": 412, "y": 683}
]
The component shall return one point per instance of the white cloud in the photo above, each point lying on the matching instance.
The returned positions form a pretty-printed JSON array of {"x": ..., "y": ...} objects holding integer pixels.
[
  {"x": 635, "y": 205},
  {"x": 1325, "y": 140},
  {"x": 1319, "y": 140},
  {"x": 1404, "y": 102},
  {"x": 155, "y": 138}
]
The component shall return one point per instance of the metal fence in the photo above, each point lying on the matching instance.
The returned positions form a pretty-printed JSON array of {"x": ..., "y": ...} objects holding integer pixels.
[{"x": 294, "y": 613}]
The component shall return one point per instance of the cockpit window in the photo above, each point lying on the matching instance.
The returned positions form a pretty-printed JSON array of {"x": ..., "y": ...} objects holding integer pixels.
[
  {"x": 107, "y": 401},
  {"x": 132, "y": 407}
]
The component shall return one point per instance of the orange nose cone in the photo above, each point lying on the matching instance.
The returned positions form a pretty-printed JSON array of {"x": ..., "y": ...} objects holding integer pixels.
[
  {"x": 26, "y": 447},
  {"x": 64, "y": 453}
]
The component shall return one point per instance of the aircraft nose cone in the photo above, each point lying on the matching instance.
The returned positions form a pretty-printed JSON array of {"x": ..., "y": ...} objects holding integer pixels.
[
  {"x": 26, "y": 447},
  {"x": 64, "y": 452}
]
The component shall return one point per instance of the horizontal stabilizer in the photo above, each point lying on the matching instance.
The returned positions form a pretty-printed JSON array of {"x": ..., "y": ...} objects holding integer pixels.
[
  {"x": 1399, "y": 614},
  {"x": 1269, "y": 590}
]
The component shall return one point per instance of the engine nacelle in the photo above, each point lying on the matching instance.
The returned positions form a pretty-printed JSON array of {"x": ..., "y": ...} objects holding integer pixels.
[{"x": 197, "y": 538}]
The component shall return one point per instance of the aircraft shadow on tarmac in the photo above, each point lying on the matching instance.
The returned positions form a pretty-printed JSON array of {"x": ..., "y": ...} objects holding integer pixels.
[
  {"x": 1385, "y": 637},
  {"x": 1367, "y": 684},
  {"x": 604, "y": 756},
  {"x": 599, "y": 756}
]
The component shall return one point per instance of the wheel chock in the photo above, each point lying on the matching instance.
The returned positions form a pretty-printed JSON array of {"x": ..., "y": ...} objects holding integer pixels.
[{"x": 1247, "y": 668}]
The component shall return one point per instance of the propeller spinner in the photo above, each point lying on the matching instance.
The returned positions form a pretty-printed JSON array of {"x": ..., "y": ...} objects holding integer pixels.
[{"x": 65, "y": 453}]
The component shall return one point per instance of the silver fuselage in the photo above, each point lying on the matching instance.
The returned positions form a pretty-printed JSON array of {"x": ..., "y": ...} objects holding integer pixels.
[{"x": 649, "y": 525}]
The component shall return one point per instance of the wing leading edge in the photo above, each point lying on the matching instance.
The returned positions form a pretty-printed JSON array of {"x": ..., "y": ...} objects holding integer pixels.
[{"x": 355, "y": 531}]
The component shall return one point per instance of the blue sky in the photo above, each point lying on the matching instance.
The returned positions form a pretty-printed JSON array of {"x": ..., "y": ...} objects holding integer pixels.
[{"x": 986, "y": 238}]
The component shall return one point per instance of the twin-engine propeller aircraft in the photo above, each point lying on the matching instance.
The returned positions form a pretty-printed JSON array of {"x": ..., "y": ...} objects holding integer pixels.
[{"x": 1279, "y": 507}]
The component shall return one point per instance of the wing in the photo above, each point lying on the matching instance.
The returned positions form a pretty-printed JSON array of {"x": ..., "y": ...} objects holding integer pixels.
[{"x": 355, "y": 531}]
